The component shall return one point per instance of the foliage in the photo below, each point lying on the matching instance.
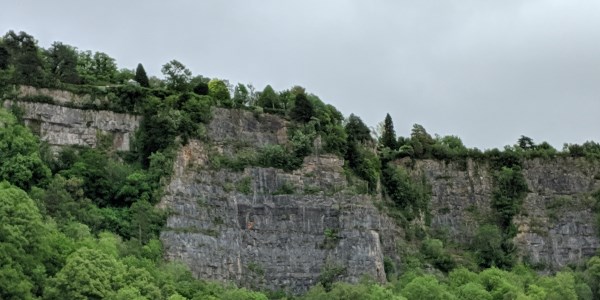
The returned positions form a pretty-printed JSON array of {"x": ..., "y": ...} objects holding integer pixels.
[
  {"x": 269, "y": 100},
  {"x": 25, "y": 58},
  {"x": 177, "y": 76},
  {"x": 303, "y": 109},
  {"x": 218, "y": 89},
  {"x": 62, "y": 60},
  {"x": 141, "y": 77},
  {"x": 20, "y": 161},
  {"x": 97, "y": 68},
  {"x": 388, "y": 137},
  {"x": 364, "y": 163},
  {"x": 509, "y": 193},
  {"x": 357, "y": 130},
  {"x": 408, "y": 195}
]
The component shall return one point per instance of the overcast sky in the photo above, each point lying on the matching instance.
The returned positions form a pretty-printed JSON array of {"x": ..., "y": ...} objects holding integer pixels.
[{"x": 487, "y": 71}]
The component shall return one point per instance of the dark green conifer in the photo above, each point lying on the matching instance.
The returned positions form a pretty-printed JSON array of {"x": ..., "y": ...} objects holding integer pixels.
[
  {"x": 141, "y": 77},
  {"x": 388, "y": 137}
]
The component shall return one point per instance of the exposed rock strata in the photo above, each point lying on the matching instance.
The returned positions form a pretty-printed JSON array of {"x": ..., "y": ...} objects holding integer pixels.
[
  {"x": 61, "y": 126},
  {"x": 557, "y": 226}
]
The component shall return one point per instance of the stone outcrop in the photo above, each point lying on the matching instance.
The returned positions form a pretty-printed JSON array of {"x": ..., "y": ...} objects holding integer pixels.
[
  {"x": 60, "y": 125},
  {"x": 264, "y": 227},
  {"x": 557, "y": 226}
]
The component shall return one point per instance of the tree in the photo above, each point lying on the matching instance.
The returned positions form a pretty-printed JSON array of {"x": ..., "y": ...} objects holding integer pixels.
[
  {"x": 425, "y": 288},
  {"x": 62, "y": 61},
  {"x": 20, "y": 161},
  {"x": 388, "y": 137},
  {"x": 199, "y": 85},
  {"x": 25, "y": 57},
  {"x": 303, "y": 109},
  {"x": 241, "y": 96},
  {"x": 88, "y": 274},
  {"x": 526, "y": 143},
  {"x": 21, "y": 244},
  {"x": 177, "y": 76},
  {"x": 268, "y": 98},
  {"x": 105, "y": 67},
  {"x": 141, "y": 77},
  {"x": 96, "y": 68},
  {"x": 218, "y": 89},
  {"x": 488, "y": 246},
  {"x": 4, "y": 58},
  {"x": 421, "y": 141},
  {"x": 357, "y": 130}
]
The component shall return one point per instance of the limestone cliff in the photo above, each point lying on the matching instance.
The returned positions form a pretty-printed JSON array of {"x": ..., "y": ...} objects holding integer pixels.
[
  {"x": 264, "y": 227},
  {"x": 59, "y": 125},
  {"x": 557, "y": 226}
]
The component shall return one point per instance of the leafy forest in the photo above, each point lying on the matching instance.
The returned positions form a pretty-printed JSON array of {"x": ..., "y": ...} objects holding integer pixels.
[{"x": 82, "y": 223}]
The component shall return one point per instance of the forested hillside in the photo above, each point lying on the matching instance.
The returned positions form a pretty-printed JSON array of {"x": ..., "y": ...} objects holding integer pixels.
[{"x": 80, "y": 222}]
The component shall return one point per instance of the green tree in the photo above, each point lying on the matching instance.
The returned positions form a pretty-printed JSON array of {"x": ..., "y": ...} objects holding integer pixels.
[
  {"x": 388, "y": 137},
  {"x": 357, "y": 130},
  {"x": 146, "y": 221},
  {"x": 20, "y": 161},
  {"x": 303, "y": 110},
  {"x": 421, "y": 141},
  {"x": 177, "y": 76},
  {"x": 141, "y": 77},
  {"x": 96, "y": 68},
  {"x": 526, "y": 143},
  {"x": 105, "y": 68},
  {"x": 26, "y": 59},
  {"x": 4, "y": 57},
  {"x": 22, "y": 245},
  {"x": 426, "y": 288},
  {"x": 218, "y": 89},
  {"x": 507, "y": 198},
  {"x": 241, "y": 96},
  {"x": 62, "y": 61},
  {"x": 268, "y": 99},
  {"x": 87, "y": 274},
  {"x": 488, "y": 245}
]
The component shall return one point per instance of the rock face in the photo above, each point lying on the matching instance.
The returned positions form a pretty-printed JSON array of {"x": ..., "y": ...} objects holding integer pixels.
[
  {"x": 60, "y": 126},
  {"x": 264, "y": 227},
  {"x": 557, "y": 226}
]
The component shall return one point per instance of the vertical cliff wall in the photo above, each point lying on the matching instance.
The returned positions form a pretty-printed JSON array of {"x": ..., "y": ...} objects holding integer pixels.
[
  {"x": 60, "y": 126},
  {"x": 557, "y": 225},
  {"x": 264, "y": 227}
]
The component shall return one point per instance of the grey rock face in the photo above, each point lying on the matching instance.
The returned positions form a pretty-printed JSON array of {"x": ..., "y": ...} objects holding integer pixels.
[
  {"x": 557, "y": 226},
  {"x": 242, "y": 226},
  {"x": 60, "y": 126}
]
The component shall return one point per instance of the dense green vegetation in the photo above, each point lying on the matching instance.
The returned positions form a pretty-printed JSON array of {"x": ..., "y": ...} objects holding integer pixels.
[{"x": 82, "y": 224}]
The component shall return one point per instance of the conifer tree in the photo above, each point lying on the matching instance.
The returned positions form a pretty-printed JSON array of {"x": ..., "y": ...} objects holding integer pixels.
[
  {"x": 141, "y": 77},
  {"x": 388, "y": 137}
]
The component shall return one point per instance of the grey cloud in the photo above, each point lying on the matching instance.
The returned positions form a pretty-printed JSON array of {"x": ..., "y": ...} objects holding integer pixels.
[{"x": 487, "y": 71}]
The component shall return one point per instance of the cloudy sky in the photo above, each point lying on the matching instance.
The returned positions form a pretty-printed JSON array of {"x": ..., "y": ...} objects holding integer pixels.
[{"x": 487, "y": 71}]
